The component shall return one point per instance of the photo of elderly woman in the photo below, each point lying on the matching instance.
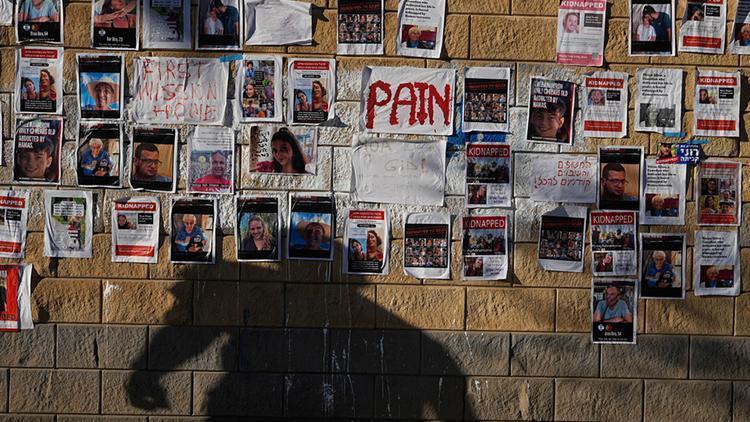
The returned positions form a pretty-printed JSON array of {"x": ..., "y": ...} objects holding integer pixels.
[
  {"x": 39, "y": 20},
  {"x": 423, "y": 38},
  {"x": 193, "y": 231},
  {"x": 99, "y": 86},
  {"x": 99, "y": 155},
  {"x": 115, "y": 24},
  {"x": 219, "y": 25},
  {"x": 258, "y": 229},
  {"x": 310, "y": 228},
  {"x": 662, "y": 273}
]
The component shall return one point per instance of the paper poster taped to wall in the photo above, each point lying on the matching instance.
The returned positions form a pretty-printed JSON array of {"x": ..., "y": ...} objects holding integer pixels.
[
  {"x": 486, "y": 99},
  {"x": 716, "y": 263},
  {"x": 605, "y": 106},
  {"x": 620, "y": 178},
  {"x": 99, "y": 155},
  {"x": 562, "y": 233},
  {"x": 211, "y": 160},
  {"x": 39, "y": 80},
  {"x": 488, "y": 175},
  {"x": 740, "y": 42},
  {"x": 580, "y": 32},
  {"x": 614, "y": 305},
  {"x": 614, "y": 249},
  {"x": 718, "y": 193},
  {"x": 312, "y": 225},
  {"x": 651, "y": 28},
  {"x": 6, "y": 13},
  {"x": 420, "y": 28},
  {"x": 663, "y": 193},
  {"x": 427, "y": 245},
  {"x": 15, "y": 297},
  {"x": 360, "y": 27},
  {"x": 260, "y": 89},
  {"x": 663, "y": 269},
  {"x": 193, "y": 231},
  {"x": 551, "y": 106},
  {"x": 68, "y": 227},
  {"x": 14, "y": 215},
  {"x": 153, "y": 159},
  {"x": 166, "y": 24},
  {"x": 704, "y": 27},
  {"x": 100, "y": 86},
  {"x": 407, "y": 100},
  {"x": 366, "y": 242},
  {"x": 174, "y": 90},
  {"x": 115, "y": 24},
  {"x": 219, "y": 25},
  {"x": 485, "y": 247},
  {"x": 135, "y": 229},
  {"x": 258, "y": 229},
  {"x": 284, "y": 150},
  {"x": 564, "y": 178},
  {"x": 312, "y": 84},
  {"x": 717, "y": 103},
  {"x": 381, "y": 168},
  {"x": 658, "y": 101},
  {"x": 278, "y": 22},
  {"x": 36, "y": 151},
  {"x": 39, "y": 21}
]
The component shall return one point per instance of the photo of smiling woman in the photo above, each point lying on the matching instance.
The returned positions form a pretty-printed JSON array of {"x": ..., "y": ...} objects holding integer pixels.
[
  {"x": 284, "y": 150},
  {"x": 258, "y": 229},
  {"x": 99, "y": 86}
]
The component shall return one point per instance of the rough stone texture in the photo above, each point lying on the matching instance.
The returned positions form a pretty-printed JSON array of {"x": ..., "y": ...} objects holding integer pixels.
[
  {"x": 652, "y": 357},
  {"x": 98, "y": 346},
  {"x": 261, "y": 304},
  {"x": 510, "y": 309},
  {"x": 509, "y": 398},
  {"x": 147, "y": 302},
  {"x": 153, "y": 393},
  {"x": 376, "y": 352},
  {"x": 67, "y": 300},
  {"x": 719, "y": 358},
  {"x": 467, "y": 353},
  {"x": 573, "y": 309},
  {"x": 694, "y": 315},
  {"x": 675, "y": 400},
  {"x": 192, "y": 348},
  {"x": 53, "y": 391},
  {"x": 585, "y": 399},
  {"x": 34, "y": 348},
  {"x": 215, "y": 303},
  {"x": 101, "y": 264},
  {"x": 276, "y": 350},
  {"x": 741, "y": 402},
  {"x": 511, "y": 43},
  {"x": 4, "y": 390},
  {"x": 420, "y": 307},
  {"x": 334, "y": 305},
  {"x": 553, "y": 355},
  {"x": 321, "y": 396},
  {"x": 418, "y": 397}
]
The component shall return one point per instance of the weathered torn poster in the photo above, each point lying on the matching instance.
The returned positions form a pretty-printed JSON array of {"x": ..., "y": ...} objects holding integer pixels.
[
  {"x": 427, "y": 245},
  {"x": 486, "y": 99},
  {"x": 15, "y": 297},
  {"x": 717, "y": 103},
  {"x": 663, "y": 266},
  {"x": 420, "y": 28},
  {"x": 485, "y": 247},
  {"x": 407, "y": 100},
  {"x": 741, "y": 31},
  {"x": 551, "y": 107},
  {"x": 580, "y": 32},
  {"x": 658, "y": 101},
  {"x": 562, "y": 233},
  {"x": 176, "y": 90},
  {"x": 564, "y": 178},
  {"x": 166, "y": 24},
  {"x": 488, "y": 175},
  {"x": 605, "y": 107},
  {"x": 716, "y": 263},
  {"x": 664, "y": 193},
  {"x": 366, "y": 242},
  {"x": 278, "y": 22},
  {"x": 14, "y": 212},
  {"x": 718, "y": 193},
  {"x": 135, "y": 229},
  {"x": 382, "y": 167},
  {"x": 704, "y": 26},
  {"x": 312, "y": 83},
  {"x": 360, "y": 27},
  {"x": 614, "y": 305},
  {"x": 614, "y": 251},
  {"x": 68, "y": 228}
]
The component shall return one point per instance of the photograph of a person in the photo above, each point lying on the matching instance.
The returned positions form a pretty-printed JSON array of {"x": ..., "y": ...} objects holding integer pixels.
[
  {"x": 561, "y": 245},
  {"x": 615, "y": 306},
  {"x": 192, "y": 234},
  {"x": 310, "y": 234},
  {"x": 152, "y": 164},
  {"x": 602, "y": 262},
  {"x": 100, "y": 86},
  {"x": 258, "y": 231},
  {"x": 652, "y": 27},
  {"x": 473, "y": 266},
  {"x": 367, "y": 249},
  {"x": 219, "y": 24},
  {"x": 485, "y": 107},
  {"x": 662, "y": 205},
  {"x": 707, "y": 96},
  {"x": 38, "y": 89},
  {"x": 127, "y": 221},
  {"x": 662, "y": 269},
  {"x": 597, "y": 97},
  {"x": 313, "y": 99},
  {"x": 551, "y": 106},
  {"x": 620, "y": 178},
  {"x": 115, "y": 24},
  {"x": 360, "y": 28},
  {"x": 426, "y": 252},
  {"x": 213, "y": 171},
  {"x": 39, "y": 20},
  {"x": 571, "y": 23},
  {"x": 284, "y": 150},
  {"x": 258, "y": 90},
  {"x": 414, "y": 36},
  {"x": 742, "y": 34},
  {"x": 659, "y": 270},
  {"x": 654, "y": 116},
  {"x": 37, "y": 157},
  {"x": 99, "y": 156},
  {"x": 716, "y": 276}
]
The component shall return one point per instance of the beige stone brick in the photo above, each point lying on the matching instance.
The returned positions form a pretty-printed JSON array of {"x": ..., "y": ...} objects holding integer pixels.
[
  {"x": 67, "y": 300},
  {"x": 101, "y": 264},
  {"x": 215, "y": 303},
  {"x": 528, "y": 273},
  {"x": 675, "y": 400},
  {"x": 54, "y": 391},
  {"x": 261, "y": 304},
  {"x": 742, "y": 310},
  {"x": 512, "y": 43},
  {"x": 7, "y": 73},
  {"x": 535, "y": 7},
  {"x": 422, "y": 307},
  {"x": 457, "y": 36},
  {"x": 494, "y": 7},
  {"x": 510, "y": 309},
  {"x": 694, "y": 315},
  {"x": 140, "y": 393},
  {"x": 147, "y": 302},
  {"x": 34, "y": 255},
  {"x": 616, "y": 47},
  {"x": 587, "y": 399},
  {"x": 225, "y": 268},
  {"x": 330, "y": 305},
  {"x": 573, "y": 311},
  {"x": 510, "y": 398},
  {"x": 77, "y": 25}
]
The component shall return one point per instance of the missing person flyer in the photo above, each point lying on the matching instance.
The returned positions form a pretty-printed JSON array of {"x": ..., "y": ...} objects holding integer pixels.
[
  {"x": 561, "y": 238},
  {"x": 605, "y": 107},
  {"x": 260, "y": 91},
  {"x": 193, "y": 231},
  {"x": 420, "y": 28},
  {"x": 427, "y": 245},
  {"x": 166, "y": 24},
  {"x": 284, "y": 150},
  {"x": 486, "y": 99},
  {"x": 39, "y": 21},
  {"x": 114, "y": 25},
  {"x": 366, "y": 242},
  {"x": 311, "y": 227},
  {"x": 278, "y": 22},
  {"x": 614, "y": 304},
  {"x": 312, "y": 84},
  {"x": 740, "y": 43},
  {"x": 718, "y": 192},
  {"x": 99, "y": 155},
  {"x": 613, "y": 243},
  {"x": 15, "y": 297},
  {"x": 68, "y": 228},
  {"x": 658, "y": 101},
  {"x": 620, "y": 178},
  {"x": 14, "y": 215},
  {"x": 36, "y": 151},
  {"x": 580, "y": 32},
  {"x": 717, "y": 103},
  {"x": 551, "y": 106},
  {"x": 663, "y": 269},
  {"x": 716, "y": 263},
  {"x": 39, "y": 80},
  {"x": 488, "y": 178},
  {"x": 100, "y": 87},
  {"x": 219, "y": 25},
  {"x": 211, "y": 160},
  {"x": 258, "y": 229},
  {"x": 564, "y": 178},
  {"x": 153, "y": 160},
  {"x": 704, "y": 26},
  {"x": 651, "y": 28},
  {"x": 664, "y": 193},
  {"x": 360, "y": 27},
  {"x": 485, "y": 247},
  {"x": 135, "y": 229}
]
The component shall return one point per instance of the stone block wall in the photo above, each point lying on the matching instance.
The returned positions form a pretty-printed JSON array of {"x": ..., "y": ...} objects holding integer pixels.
[{"x": 164, "y": 342}]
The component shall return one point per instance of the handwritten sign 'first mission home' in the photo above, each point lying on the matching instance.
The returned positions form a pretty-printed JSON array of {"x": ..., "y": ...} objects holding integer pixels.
[{"x": 180, "y": 90}]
